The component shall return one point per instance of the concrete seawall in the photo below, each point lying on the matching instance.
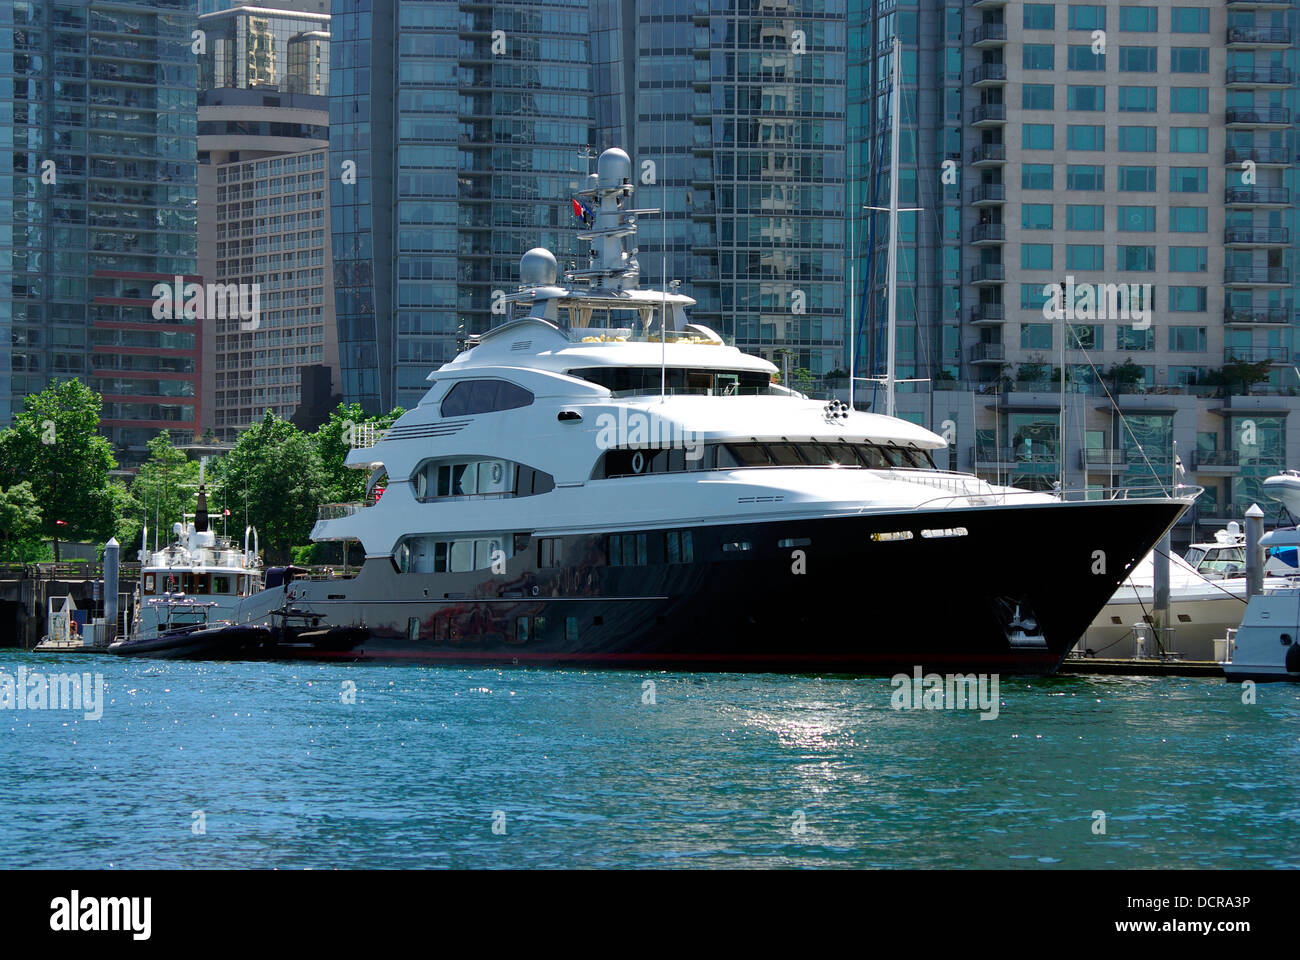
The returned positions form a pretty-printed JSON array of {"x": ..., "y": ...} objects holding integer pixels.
[{"x": 25, "y": 590}]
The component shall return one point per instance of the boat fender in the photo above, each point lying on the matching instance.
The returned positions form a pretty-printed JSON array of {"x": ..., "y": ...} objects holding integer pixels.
[{"x": 1293, "y": 658}]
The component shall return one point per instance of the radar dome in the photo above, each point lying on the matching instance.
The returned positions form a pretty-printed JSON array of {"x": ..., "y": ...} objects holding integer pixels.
[
  {"x": 613, "y": 167},
  {"x": 537, "y": 268}
]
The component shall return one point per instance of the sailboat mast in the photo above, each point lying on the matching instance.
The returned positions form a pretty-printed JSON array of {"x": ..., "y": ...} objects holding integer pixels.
[{"x": 895, "y": 117}]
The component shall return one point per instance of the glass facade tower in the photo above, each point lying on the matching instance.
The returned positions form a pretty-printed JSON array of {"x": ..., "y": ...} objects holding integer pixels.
[
  {"x": 460, "y": 126},
  {"x": 98, "y": 205}
]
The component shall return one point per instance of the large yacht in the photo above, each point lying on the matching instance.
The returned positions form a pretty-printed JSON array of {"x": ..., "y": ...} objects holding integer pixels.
[{"x": 599, "y": 481}]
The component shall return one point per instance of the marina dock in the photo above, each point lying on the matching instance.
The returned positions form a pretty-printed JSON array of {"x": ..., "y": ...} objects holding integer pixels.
[{"x": 1147, "y": 667}]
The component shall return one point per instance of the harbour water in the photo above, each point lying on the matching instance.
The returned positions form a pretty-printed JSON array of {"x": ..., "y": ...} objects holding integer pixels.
[{"x": 267, "y": 765}]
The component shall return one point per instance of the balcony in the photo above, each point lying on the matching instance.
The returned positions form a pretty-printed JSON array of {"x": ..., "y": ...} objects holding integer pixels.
[
  {"x": 1252, "y": 316},
  {"x": 1265, "y": 156},
  {"x": 1261, "y": 276},
  {"x": 988, "y": 114},
  {"x": 336, "y": 511},
  {"x": 1257, "y": 116},
  {"x": 1258, "y": 36},
  {"x": 989, "y": 35},
  {"x": 1256, "y": 236},
  {"x": 1094, "y": 457},
  {"x": 987, "y": 4},
  {"x": 989, "y": 74},
  {"x": 1259, "y": 77},
  {"x": 987, "y": 273},
  {"x": 987, "y": 353},
  {"x": 1256, "y": 196},
  {"x": 988, "y": 313},
  {"x": 988, "y": 193},
  {"x": 983, "y": 233},
  {"x": 984, "y": 154},
  {"x": 1215, "y": 459},
  {"x": 1256, "y": 354}
]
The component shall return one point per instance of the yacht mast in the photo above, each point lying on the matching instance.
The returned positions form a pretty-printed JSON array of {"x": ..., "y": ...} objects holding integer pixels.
[{"x": 895, "y": 116}]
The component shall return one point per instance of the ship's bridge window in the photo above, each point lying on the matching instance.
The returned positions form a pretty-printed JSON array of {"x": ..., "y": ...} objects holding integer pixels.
[
  {"x": 431, "y": 553},
  {"x": 148, "y": 583},
  {"x": 469, "y": 397},
  {"x": 468, "y": 477},
  {"x": 635, "y": 381},
  {"x": 732, "y": 456}
]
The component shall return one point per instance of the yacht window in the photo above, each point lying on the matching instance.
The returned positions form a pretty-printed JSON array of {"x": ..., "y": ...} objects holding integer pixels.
[
  {"x": 896, "y": 457},
  {"x": 484, "y": 396},
  {"x": 148, "y": 583},
  {"x": 785, "y": 454},
  {"x": 461, "y": 478},
  {"x": 678, "y": 547},
  {"x": 221, "y": 584},
  {"x": 625, "y": 550}
]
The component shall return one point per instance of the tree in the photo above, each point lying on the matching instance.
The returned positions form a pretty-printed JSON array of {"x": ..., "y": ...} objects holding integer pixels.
[
  {"x": 1242, "y": 372},
  {"x": 274, "y": 474},
  {"x": 163, "y": 491},
  {"x": 334, "y": 439},
  {"x": 55, "y": 444},
  {"x": 1126, "y": 374},
  {"x": 20, "y": 524}
]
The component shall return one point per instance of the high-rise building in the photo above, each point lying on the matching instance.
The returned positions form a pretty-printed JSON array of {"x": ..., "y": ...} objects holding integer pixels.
[
  {"x": 460, "y": 126},
  {"x": 264, "y": 214},
  {"x": 98, "y": 209},
  {"x": 1138, "y": 157},
  {"x": 738, "y": 130}
]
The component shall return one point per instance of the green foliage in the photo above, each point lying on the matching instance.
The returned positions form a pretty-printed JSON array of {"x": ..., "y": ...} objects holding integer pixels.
[
  {"x": 1239, "y": 373},
  {"x": 334, "y": 439},
  {"x": 20, "y": 525},
  {"x": 274, "y": 473},
  {"x": 164, "y": 489},
  {"x": 1125, "y": 374},
  {"x": 55, "y": 445}
]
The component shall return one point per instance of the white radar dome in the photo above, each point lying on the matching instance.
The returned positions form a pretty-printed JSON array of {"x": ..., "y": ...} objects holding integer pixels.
[
  {"x": 613, "y": 168},
  {"x": 537, "y": 268}
]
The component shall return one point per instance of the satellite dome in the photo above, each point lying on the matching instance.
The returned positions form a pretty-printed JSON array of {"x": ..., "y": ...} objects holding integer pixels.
[
  {"x": 613, "y": 168},
  {"x": 537, "y": 268}
]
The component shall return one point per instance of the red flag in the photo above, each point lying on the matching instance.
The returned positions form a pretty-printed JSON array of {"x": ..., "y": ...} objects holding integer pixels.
[
  {"x": 226, "y": 511},
  {"x": 578, "y": 211}
]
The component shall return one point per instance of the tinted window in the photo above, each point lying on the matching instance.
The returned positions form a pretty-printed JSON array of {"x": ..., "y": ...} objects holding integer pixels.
[{"x": 483, "y": 396}]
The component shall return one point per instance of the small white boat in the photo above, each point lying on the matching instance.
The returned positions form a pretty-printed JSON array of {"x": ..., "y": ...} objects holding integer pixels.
[
  {"x": 1267, "y": 645},
  {"x": 1207, "y": 597}
]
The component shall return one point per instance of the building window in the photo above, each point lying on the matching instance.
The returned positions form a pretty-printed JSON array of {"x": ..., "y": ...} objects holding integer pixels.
[
  {"x": 1135, "y": 259},
  {"x": 1188, "y": 180},
  {"x": 1187, "y": 339},
  {"x": 1136, "y": 219},
  {"x": 1085, "y": 217},
  {"x": 1189, "y": 60},
  {"x": 1036, "y": 336},
  {"x": 1190, "y": 20},
  {"x": 1087, "y": 17},
  {"x": 1032, "y": 296},
  {"x": 1189, "y": 140},
  {"x": 1084, "y": 257},
  {"x": 1036, "y": 216},
  {"x": 1189, "y": 100},
  {"x": 1137, "y": 99},
  {"x": 1188, "y": 219},
  {"x": 1137, "y": 139},
  {"x": 1085, "y": 177},
  {"x": 1037, "y": 96},
  {"x": 1128, "y": 338},
  {"x": 1081, "y": 57},
  {"x": 1187, "y": 299},
  {"x": 1139, "y": 19},
  {"x": 1036, "y": 176},
  {"x": 1137, "y": 59},
  {"x": 1038, "y": 56},
  {"x": 1188, "y": 260},
  {"x": 1036, "y": 136},
  {"x": 1137, "y": 179},
  {"x": 1090, "y": 137},
  {"x": 1036, "y": 256},
  {"x": 1085, "y": 98},
  {"x": 1040, "y": 16}
]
